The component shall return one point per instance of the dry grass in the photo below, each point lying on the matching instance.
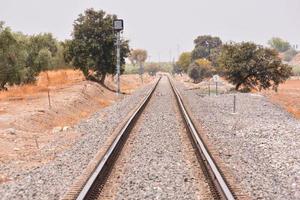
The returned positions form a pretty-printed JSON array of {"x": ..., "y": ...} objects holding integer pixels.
[
  {"x": 288, "y": 96},
  {"x": 52, "y": 79}
]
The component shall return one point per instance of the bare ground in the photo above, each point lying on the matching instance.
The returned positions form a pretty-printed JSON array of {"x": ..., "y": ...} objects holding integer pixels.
[{"x": 27, "y": 123}]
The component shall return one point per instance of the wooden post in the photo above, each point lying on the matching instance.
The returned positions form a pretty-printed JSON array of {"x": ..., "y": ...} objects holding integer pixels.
[{"x": 48, "y": 90}]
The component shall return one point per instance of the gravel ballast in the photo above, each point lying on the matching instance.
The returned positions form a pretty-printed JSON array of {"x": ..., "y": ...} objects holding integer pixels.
[
  {"x": 260, "y": 143},
  {"x": 156, "y": 167},
  {"x": 53, "y": 180}
]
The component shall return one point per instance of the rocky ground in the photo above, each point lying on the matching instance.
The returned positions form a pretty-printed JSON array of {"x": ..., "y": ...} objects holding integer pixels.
[
  {"x": 51, "y": 180},
  {"x": 159, "y": 163},
  {"x": 260, "y": 143},
  {"x": 28, "y": 124}
]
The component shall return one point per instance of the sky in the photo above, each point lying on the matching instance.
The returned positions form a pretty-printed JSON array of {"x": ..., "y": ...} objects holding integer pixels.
[{"x": 164, "y": 28}]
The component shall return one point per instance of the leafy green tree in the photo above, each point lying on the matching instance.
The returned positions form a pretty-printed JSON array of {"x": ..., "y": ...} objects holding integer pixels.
[
  {"x": 11, "y": 58},
  {"x": 200, "y": 69},
  {"x": 92, "y": 49},
  {"x": 184, "y": 60},
  {"x": 279, "y": 44},
  {"x": 43, "y": 60},
  {"x": 251, "y": 66},
  {"x": 58, "y": 60},
  {"x": 204, "y": 45},
  {"x": 40, "y": 47}
]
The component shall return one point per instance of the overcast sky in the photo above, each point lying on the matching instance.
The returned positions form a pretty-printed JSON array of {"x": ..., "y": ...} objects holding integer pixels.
[{"x": 164, "y": 27}]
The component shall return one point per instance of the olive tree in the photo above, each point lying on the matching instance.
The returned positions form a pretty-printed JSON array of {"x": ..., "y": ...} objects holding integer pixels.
[
  {"x": 252, "y": 66},
  {"x": 12, "y": 58}
]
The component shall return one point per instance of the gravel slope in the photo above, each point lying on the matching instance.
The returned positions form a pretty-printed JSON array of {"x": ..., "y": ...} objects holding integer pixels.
[
  {"x": 52, "y": 181},
  {"x": 156, "y": 167},
  {"x": 260, "y": 143}
]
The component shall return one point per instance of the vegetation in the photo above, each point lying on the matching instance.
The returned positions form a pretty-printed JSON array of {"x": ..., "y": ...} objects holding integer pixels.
[
  {"x": 279, "y": 44},
  {"x": 251, "y": 66},
  {"x": 296, "y": 70},
  {"x": 152, "y": 69},
  {"x": 200, "y": 69},
  {"x": 207, "y": 47},
  {"x": 23, "y": 57},
  {"x": 184, "y": 61},
  {"x": 177, "y": 69},
  {"x": 162, "y": 67},
  {"x": 139, "y": 57},
  {"x": 92, "y": 49},
  {"x": 289, "y": 55}
]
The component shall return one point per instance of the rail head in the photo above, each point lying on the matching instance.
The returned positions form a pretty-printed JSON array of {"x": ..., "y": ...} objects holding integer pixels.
[{"x": 219, "y": 182}]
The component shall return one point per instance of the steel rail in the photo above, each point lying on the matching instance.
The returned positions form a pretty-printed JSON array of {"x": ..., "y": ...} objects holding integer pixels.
[
  {"x": 219, "y": 182},
  {"x": 109, "y": 157}
]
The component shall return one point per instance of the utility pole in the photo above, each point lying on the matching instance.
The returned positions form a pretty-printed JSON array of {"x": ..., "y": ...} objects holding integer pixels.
[{"x": 118, "y": 27}]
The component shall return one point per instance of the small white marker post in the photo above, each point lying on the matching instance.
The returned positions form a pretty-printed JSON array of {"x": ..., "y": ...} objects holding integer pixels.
[{"x": 216, "y": 79}]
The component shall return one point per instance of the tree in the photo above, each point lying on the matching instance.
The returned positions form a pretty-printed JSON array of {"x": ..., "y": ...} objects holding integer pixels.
[
  {"x": 184, "y": 60},
  {"x": 289, "y": 54},
  {"x": 40, "y": 48},
  {"x": 11, "y": 58},
  {"x": 92, "y": 48},
  {"x": 204, "y": 45},
  {"x": 200, "y": 69},
  {"x": 279, "y": 44},
  {"x": 152, "y": 69},
  {"x": 58, "y": 60},
  {"x": 139, "y": 56},
  {"x": 249, "y": 65},
  {"x": 43, "y": 60}
]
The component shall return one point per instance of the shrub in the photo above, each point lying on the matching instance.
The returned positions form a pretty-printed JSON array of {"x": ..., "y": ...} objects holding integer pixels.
[{"x": 200, "y": 69}]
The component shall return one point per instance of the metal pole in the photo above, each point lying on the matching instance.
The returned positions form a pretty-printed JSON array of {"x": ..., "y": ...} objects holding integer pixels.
[
  {"x": 209, "y": 88},
  {"x": 118, "y": 63},
  {"x": 216, "y": 87},
  {"x": 234, "y": 103}
]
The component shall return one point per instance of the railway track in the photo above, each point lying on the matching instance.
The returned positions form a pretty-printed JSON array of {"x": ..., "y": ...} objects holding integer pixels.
[{"x": 92, "y": 187}]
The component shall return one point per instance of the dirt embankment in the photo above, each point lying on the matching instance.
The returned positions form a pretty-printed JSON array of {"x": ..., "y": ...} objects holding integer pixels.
[
  {"x": 288, "y": 96},
  {"x": 28, "y": 122}
]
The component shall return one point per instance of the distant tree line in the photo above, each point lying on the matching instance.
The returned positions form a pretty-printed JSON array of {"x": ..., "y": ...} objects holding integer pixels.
[
  {"x": 283, "y": 47},
  {"x": 246, "y": 65}
]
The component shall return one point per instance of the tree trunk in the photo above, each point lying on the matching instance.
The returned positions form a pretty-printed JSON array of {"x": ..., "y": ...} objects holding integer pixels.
[
  {"x": 238, "y": 86},
  {"x": 2, "y": 86},
  {"x": 102, "y": 80}
]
